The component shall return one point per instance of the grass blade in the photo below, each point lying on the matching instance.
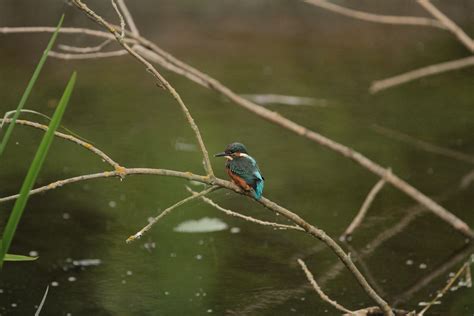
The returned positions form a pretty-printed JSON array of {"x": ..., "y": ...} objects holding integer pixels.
[
  {"x": 29, "y": 87},
  {"x": 11, "y": 257},
  {"x": 34, "y": 170}
]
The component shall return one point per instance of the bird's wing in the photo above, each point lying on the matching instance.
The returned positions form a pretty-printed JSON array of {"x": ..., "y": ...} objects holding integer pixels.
[{"x": 247, "y": 169}]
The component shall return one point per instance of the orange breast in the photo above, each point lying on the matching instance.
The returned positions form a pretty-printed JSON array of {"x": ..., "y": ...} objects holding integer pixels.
[{"x": 238, "y": 180}]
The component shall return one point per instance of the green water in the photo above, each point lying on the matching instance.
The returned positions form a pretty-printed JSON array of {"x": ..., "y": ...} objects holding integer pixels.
[{"x": 254, "y": 47}]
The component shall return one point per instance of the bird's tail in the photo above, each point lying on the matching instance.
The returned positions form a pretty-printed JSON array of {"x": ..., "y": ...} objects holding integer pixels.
[{"x": 258, "y": 189}]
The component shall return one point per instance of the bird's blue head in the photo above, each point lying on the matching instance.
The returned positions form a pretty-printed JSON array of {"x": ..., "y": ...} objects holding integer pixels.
[{"x": 232, "y": 150}]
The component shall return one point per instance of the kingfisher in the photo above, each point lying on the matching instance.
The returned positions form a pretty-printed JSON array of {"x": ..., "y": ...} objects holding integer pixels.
[{"x": 243, "y": 169}]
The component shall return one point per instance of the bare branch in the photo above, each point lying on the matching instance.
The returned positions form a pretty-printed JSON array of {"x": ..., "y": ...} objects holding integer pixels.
[
  {"x": 154, "y": 220},
  {"x": 244, "y": 217},
  {"x": 160, "y": 60},
  {"x": 161, "y": 80},
  {"x": 449, "y": 24},
  {"x": 68, "y": 137},
  {"x": 88, "y": 55},
  {"x": 431, "y": 70},
  {"x": 128, "y": 17},
  {"x": 320, "y": 292},
  {"x": 356, "y": 257},
  {"x": 459, "y": 256},
  {"x": 91, "y": 49},
  {"x": 63, "y": 30},
  {"x": 446, "y": 288},
  {"x": 363, "y": 210},
  {"x": 377, "y": 18},
  {"x": 321, "y": 235},
  {"x": 122, "y": 21},
  {"x": 121, "y": 173}
]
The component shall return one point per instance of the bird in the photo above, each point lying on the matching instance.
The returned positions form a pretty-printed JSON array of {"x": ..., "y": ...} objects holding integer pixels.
[{"x": 243, "y": 169}]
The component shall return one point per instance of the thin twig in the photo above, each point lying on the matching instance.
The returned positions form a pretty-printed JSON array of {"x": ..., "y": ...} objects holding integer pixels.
[
  {"x": 321, "y": 235},
  {"x": 64, "y": 56},
  {"x": 165, "y": 59},
  {"x": 377, "y": 18},
  {"x": 441, "y": 270},
  {"x": 90, "y": 49},
  {"x": 40, "y": 307},
  {"x": 363, "y": 210},
  {"x": 154, "y": 220},
  {"x": 160, "y": 60},
  {"x": 441, "y": 293},
  {"x": 449, "y": 24},
  {"x": 447, "y": 152},
  {"x": 118, "y": 173},
  {"x": 431, "y": 70},
  {"x": 356, "y": 257},
  {"x": 466, "y": 180},
  {"x": 161, "y": 80},
  {"x": 244, "y": 217},
  {"x": 122, "y": 21},
  {"x": 408, "y": 215},
  {"x": 64, "y": 30},
  {"x": 71, "y": 138},
  {"x": 320, "y": 292},
  {"x": 128, "y": 17}
]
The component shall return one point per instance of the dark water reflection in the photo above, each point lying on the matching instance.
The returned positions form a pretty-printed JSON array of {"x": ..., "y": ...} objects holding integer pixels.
[{"x": 255, "y": 47}]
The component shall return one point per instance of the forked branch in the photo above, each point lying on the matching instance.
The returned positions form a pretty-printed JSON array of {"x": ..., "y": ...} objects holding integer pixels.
[
  {"x": 377, "y": 18},
  {"x": 160, "y": 79},
  {"x": 449, "y": 24},
  {"x": 155, "y": 220}
]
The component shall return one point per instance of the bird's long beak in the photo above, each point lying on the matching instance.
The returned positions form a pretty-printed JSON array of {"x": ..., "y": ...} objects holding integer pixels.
[{"x": 222, "y": 154}]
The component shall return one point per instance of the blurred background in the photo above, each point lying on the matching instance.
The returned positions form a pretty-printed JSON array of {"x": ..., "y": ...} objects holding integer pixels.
[{"x": 257, "y": 47}]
